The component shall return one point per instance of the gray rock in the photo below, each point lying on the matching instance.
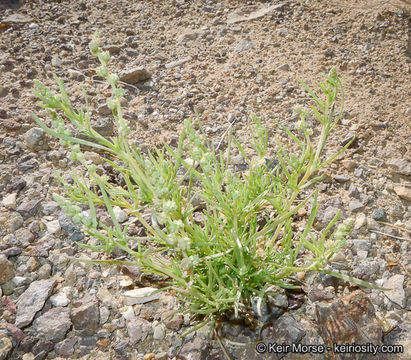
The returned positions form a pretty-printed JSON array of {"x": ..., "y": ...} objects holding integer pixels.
[
  {"x": 329, "y": 280},
  {"x": 265, "y": 311},
  {"x": 113, "y": 49},
  {"x": 174, "y": 322},
  {"x": 15, "y": 332},
  {"x": 379, "y": 215},
  {"x": 35, "y": 138},
  {"x": 140, "y": 296},
  {"x": 147, "y": 85},
  {"x": 44, "y": 271},
  {"x": 16, "y": 185},
  {"x": 20, "y": 280},
  {"x": 120, "y": 214},
  {"x": 353, "y": 192},
  {"x": 24, "y": 236},
  {"x": 397, "y": 294},
  {"x": 121, "y": 347},
  {"x": 14, "y": 222},
  {"x": 68, "y": 226},
  {"x": 29, "y": 164},
  {"x": 342, "y": 178},
  {"x": 366, "y": 269},
  {"x": 32, "y": 301},
  {"x": 104, "y": 110},
  {"x": 359, "y": 172},
  {"x": 53, "y": 227},
  {"x": 88, "y": 341},
  {"x": 86, "y": 317},
  {"x": 284, "y": 67},
  {"x": 132, "y": 52},
  {"x": 327, "y": 212},
  {"x": 66, "y": 347},
  {"x": 49, "y": 208},
  {"x": 104, "y": 314},
  {"x": 138, "y": 329},
  {"x": 244, "y": 45},
  {"x": 56, "y": 61},
  {"x": 159, "y": 332},
  {"x": 356, "y": 205},
  {"x": 282, "y": 31},
  {"x": 5, "y": 347},
  {"x": 17, "y": 19},
  {"x": 361, "y": 245},
  {"x": 54, "y": 324},
  {"x": 60, "y": 299},
  {"x": 162, "y": 356},
  {"x": 42, "y": 348},
  {"x": 189, "y": 35},
  {"x": 403, "y": 192},
  {"x": 8, "y": 287},
  {"x": 280, "y": 300},
  {"x": 400, "y": 166},
  {"x": 28, "y": 209},
  {"x": 27, "y": 343},
  {"x": 9, "y": 201},
  {"x": 13, "y": 251},
  {"x": 6, "y": 270},
  {"x": 285, "y": 330},
  {"x": 176, "y": 63},
  {"x": 134, "y": 75},
  {"x": 239, "y": 16},
  {"x": 192, "y": 348},
  {"x": 104, "y": 127}
]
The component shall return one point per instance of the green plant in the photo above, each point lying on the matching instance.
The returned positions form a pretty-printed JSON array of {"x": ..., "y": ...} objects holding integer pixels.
[{"x": 220, "y": 236}]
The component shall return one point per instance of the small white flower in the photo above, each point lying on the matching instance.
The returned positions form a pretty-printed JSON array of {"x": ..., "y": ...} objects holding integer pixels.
[
  {"x": 184, "y": 243},
  {"x": 175, "y": 226},
  {"x": 300, "y": 125},
  {"x": 169, "y": 206},
  {"x": 172, "y": 239}
]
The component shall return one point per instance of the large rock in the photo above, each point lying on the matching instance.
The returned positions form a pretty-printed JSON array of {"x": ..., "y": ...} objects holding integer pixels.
[
  {"x": 87, "y": 316},
  {"x": 396, "y": 294},
  {"x": 54, "y": 324},
  {"x": 140, "y": 296},
  {"x": 138, "y": 330},
  {"x": 400, "y": 166},
  {"x": 66, "y": 347},
  {"x": 6, "y": 270},
  {"x": 28, "y": 209},
  {"x": 35, "y": 138},
  {"x": 134, "y": 75},
  {"x": 32, "y": 301},
  {"x": 17, "y": 19},
  {"x": 403, "y": 192},
  {"x": 242, "y": 14},
  {"x": 350, "y": 319},
  {"x": 189, "y": 35},
  {"x": 5, "y": 347}
]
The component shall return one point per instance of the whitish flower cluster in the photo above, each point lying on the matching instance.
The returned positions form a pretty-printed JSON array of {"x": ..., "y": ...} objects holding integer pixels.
[
  {"x": 165, "y": 213},
  {"x": 188, "y": 263},
  {"x": 200, "y": 153}
]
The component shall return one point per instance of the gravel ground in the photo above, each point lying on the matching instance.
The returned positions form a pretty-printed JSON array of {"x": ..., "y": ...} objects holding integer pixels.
[{"x": 226, "y": 60}]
